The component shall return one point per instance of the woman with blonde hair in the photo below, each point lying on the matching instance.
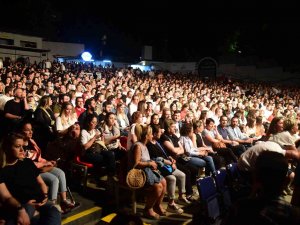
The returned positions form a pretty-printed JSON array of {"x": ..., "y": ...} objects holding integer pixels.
[
  {"x": 122, "y": 119},
  {"x": 137, "y": 118},
  {"x": 139, "y": 158},
  {"x": 66, "y": 118}
]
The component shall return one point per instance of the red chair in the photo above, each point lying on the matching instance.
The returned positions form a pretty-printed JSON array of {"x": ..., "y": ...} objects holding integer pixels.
[
  {"x": 80, "y": 171},
  {"x": 123, "y": 141}
]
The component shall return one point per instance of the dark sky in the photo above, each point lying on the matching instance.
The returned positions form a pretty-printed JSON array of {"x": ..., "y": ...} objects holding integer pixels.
[{"x": 177, "y": 32}]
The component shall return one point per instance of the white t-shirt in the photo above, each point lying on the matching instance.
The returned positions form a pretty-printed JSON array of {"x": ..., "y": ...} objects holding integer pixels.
[
  {"x": 247, "y": 160},
  {"x": 283, "y": 138},
  {"x": 87, "y": 136},
  {"x": 70, "y": 122}
]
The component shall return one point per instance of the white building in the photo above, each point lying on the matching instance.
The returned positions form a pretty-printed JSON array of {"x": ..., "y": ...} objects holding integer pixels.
[{"x": 15, "y": 46}]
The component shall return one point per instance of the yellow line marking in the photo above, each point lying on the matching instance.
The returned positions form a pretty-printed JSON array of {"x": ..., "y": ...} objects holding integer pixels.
[
  {"x": 81, "y": 214},
  {"x": 187, "y": 222},
  {"x": 109, "y": 217}
]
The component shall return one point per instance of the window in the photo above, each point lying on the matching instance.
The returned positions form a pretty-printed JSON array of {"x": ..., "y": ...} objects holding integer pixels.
[
  {"x": 28, "y": 44},
  {"x": 4, "y": 41}
]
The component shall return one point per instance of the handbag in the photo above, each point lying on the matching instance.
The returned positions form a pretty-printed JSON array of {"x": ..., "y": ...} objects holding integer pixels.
[
  {"x": 97, "y": 147},
  {"x": 217, "y": 145},
  {"x": 166, "y": 170},
  {"x": 136, "y": 178}
]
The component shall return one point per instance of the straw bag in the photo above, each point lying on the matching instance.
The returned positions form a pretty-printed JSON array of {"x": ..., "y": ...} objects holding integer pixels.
[{"x": 136, "y": 178}]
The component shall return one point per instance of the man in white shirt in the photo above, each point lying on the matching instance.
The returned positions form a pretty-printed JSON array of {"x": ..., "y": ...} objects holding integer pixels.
[{"x": 8, "y": 95}]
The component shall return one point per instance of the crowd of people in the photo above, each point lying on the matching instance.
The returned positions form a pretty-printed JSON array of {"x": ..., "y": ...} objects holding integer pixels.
[{"x": 176, "y": 125}]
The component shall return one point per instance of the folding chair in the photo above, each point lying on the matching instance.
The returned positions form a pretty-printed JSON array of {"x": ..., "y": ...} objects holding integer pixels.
[
  {"x": 237, "y": 184},
  {"x": 79, "y": 171},
  {"x": 208, "y": 198},
  {"x": 221, "y": 179}
]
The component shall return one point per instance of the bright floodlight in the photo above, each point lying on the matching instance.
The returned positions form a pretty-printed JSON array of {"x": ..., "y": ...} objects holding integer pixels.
[{"x": 86, "y": 56}]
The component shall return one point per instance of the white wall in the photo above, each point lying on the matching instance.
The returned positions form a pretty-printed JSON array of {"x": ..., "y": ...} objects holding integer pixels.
[
  {"x": 63, "y": 49},
  {"x": 18, "y": 38},
  {"x": 14, "y": 54}
]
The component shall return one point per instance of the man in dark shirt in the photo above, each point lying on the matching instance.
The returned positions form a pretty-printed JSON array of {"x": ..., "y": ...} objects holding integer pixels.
[
  {"x": 90, "y": 106},
  {"x": 15, "y": 109}
]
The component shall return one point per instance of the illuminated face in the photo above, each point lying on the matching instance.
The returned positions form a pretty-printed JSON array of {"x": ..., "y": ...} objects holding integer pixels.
[
  {"x": 68, "y": 110},
  {"x": 176, "y": 117},
  {"x": 210, "y": 126},
  {"x": 172, "y": 129},
  {"x": 27, "y": 130},
  {"x": 111, "y": 120},
  {"x": 93, "y": 123},
  {"x": 17, "y": 150},
  {"x": 223, "y": 121},
  {"x": 234, "y": 122},
  {"x": 80, "y": 102},
  {"x": 168, "y": 114},
  {"x": 155, "y": 119},
  {"x": 280, "y": 125}
]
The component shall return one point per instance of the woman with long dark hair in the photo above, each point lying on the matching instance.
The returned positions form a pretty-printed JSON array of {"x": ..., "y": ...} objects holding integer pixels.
[{"x": 44, "y": 122}]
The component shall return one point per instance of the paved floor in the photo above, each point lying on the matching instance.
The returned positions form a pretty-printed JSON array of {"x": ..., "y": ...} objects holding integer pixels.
[{"x": 94, "y": 197}]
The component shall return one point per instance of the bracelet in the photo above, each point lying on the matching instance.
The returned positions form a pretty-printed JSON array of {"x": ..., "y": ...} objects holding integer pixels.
[{"x": 46, "y": 195}]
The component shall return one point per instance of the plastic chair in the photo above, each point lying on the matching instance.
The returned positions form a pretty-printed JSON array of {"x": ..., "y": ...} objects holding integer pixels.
[
  {"x": 221, "y": 179},
  {"x": 238, "y": 186},
  {"x": 208, "y": 198},
  {"x": 79, "y": 171},
  {"x": 123, "y": 141}
]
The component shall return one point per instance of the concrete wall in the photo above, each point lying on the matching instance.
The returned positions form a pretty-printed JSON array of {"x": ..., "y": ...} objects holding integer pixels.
[
  {"x": 15, "y": 54},
  {"x": 17, "y": 38},
  {"x": 63, "y": 49},
  {"x": 183, "y": 67}
]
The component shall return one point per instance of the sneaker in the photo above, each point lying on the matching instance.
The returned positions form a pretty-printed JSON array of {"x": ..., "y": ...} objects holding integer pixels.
[
  {"x": 183, "y": 201},
  {"x": 57, "y": 207},
  {"x": 174, "y": 209}
]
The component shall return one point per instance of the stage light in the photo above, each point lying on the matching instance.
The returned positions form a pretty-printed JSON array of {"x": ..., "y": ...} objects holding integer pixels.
[{"x": 86, "y": 56}]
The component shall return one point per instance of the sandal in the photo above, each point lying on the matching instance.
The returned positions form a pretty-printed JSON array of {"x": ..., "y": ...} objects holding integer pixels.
[
  {"x": 66, "y": 206},
  {"x": 147, "y": 215},
  {"x": 160, "y": 211}
]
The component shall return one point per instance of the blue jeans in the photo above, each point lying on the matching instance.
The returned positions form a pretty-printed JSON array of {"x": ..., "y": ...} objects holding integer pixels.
[
  {"x": 205, "y": 161},
  {"x": 210, "y": 165},
  {"x": 197, "y": 162},
  {"x": 49, "y": 215},
  {"x": 56, "y": 181}
]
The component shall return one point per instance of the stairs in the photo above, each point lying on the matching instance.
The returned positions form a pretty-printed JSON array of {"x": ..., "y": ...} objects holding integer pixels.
[{"x": 87, "y": 213}]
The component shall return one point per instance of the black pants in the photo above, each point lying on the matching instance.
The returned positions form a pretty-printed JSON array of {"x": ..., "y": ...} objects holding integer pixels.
[{"x": 227, "y": 154}]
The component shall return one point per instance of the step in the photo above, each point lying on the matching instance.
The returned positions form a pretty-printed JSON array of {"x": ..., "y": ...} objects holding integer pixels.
[{"x": 87, "y": 213}]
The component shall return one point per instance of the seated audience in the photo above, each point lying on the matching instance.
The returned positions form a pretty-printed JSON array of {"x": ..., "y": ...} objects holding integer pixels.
[
  {"x": 54, "y": 177},
  {"x": 22, "y": 189},
  {"x": 266, "y": 205},
  {"x": 139, "y": 158}
]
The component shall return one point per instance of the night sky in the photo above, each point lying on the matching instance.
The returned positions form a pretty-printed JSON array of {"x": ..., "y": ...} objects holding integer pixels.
[{"x": 177, "y": 32}]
